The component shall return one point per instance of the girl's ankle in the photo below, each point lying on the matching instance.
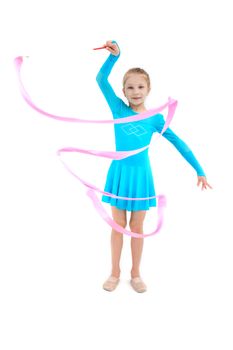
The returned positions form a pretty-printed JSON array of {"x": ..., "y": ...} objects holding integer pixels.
[
  {"x": 135, "y": 274},
  {"x": 116, "y": 273}
]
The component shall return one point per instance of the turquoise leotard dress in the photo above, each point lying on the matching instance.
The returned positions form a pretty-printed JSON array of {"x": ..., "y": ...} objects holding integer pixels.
[{"x": 132, "y": 177}]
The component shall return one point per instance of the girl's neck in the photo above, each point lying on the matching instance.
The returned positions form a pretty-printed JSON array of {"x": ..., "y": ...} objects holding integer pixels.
[{"x": 138, "y": 109}]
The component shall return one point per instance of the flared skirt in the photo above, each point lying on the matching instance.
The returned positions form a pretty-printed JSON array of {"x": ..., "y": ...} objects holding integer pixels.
[{"x": 131, "y": 181}]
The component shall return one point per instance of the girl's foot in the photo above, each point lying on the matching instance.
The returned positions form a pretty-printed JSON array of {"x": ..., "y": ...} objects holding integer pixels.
[
  {"x": 138, "y": 285},
  {"x": 111, "y": 283}
]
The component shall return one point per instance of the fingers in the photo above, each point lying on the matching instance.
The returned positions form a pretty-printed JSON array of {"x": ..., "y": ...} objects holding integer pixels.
[
  {"x": 203, "y": 182},
  {"x": 205, "y": 185},
  {"x": 110, "y": 44},
  {"x": 112, "y": 47}
]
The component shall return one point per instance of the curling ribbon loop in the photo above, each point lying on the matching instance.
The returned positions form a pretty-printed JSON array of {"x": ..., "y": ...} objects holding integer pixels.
[{"x": 171, "y": 104}]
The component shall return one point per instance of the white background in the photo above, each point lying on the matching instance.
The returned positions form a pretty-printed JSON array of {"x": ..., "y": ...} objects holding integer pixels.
[{"x": 54, "y": 249}]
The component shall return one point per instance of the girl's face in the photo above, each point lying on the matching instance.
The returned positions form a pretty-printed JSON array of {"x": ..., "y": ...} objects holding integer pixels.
[{"x": 136, "y": 90}]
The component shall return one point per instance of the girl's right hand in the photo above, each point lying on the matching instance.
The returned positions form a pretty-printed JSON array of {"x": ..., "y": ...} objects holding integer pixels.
[{"x": 112, "y": 47}]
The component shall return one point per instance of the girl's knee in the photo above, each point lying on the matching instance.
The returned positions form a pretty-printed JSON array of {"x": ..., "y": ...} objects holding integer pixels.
[
  {"x": 136, "y": 226},
  {"x": 121, "y": 222},
  {"x": 136, "y": 221}
]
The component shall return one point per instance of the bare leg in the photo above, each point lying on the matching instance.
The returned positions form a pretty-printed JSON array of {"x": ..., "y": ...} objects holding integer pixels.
[
  {"x": 136, "y": 225},
  {"x": 119, "y": 216}
]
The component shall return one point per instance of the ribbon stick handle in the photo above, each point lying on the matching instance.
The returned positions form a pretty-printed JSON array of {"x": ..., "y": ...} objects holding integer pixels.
[{"x": 99, "y": 48}]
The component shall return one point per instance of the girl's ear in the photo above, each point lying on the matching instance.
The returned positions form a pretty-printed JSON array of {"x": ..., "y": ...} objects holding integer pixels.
[{"x": 123, "y": 91}]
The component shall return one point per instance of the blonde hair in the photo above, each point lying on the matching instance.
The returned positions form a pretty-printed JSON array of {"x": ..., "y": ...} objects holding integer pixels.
[{"x": 137, "y": 71}]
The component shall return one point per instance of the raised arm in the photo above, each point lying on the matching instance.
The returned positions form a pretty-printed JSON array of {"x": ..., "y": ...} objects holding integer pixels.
[{"x": 103, "y": 74}]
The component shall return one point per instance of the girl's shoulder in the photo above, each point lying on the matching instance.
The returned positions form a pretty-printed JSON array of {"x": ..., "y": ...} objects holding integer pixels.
[
  {"x": 156, "y": 119},
  {"x": 155, "y": 122}
]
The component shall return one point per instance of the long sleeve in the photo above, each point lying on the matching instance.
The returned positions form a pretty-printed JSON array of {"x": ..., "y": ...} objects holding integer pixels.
[
  {"x": 181, "y": 146},
  {"x": 113, "y": 101}
]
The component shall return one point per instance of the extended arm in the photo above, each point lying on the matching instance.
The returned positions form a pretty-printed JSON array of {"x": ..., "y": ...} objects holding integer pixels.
[{"x": 186, "y": 152}]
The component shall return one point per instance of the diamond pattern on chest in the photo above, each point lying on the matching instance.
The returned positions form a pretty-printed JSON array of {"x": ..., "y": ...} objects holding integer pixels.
[{"x": 137, "y": 130}]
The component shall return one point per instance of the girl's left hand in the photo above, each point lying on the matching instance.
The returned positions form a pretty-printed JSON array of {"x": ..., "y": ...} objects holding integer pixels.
[{"x": 201, "y": 180}]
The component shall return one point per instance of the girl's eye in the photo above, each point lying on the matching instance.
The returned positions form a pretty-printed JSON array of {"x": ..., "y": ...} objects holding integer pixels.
[
  {"x": 130, "y": 87},
  {"x": 141, "y": 87}
]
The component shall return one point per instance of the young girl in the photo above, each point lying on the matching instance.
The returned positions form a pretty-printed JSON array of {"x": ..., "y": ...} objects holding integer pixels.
[{"x": 132, "y": 177}]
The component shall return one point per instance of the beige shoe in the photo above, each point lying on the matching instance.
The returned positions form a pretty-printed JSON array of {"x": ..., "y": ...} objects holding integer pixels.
[
  {"x": 138, "y": 285},
  {"x": 111, "y": 283}
]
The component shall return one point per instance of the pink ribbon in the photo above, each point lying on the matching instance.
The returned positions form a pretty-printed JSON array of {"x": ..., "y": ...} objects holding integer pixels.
[{"x": 171, "y": 104}]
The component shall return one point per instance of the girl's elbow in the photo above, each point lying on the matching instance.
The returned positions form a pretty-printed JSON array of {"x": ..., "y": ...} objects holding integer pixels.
[{"x": 98, "y": 78}]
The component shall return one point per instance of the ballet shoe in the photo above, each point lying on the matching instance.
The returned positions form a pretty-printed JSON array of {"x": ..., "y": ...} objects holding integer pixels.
[
  {"x": 138, "y": 285},
  {"x": 111, "y": 283}
]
